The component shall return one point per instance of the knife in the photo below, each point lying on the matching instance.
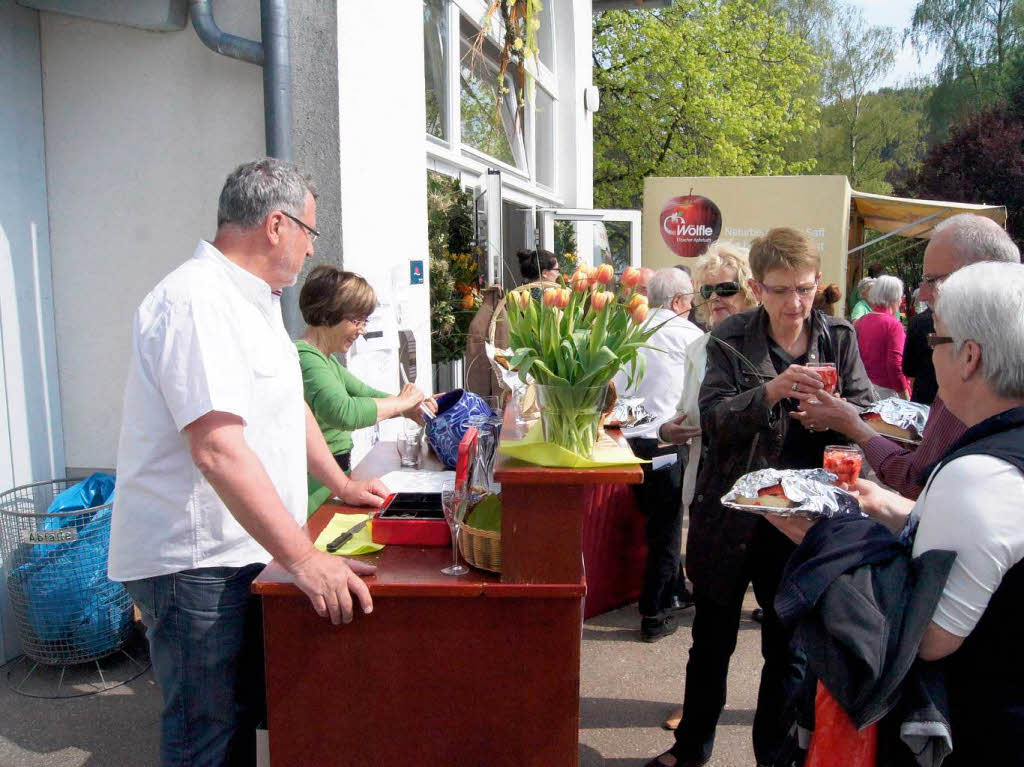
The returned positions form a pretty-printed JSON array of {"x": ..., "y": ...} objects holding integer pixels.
[{"x": 346, "y": 536}]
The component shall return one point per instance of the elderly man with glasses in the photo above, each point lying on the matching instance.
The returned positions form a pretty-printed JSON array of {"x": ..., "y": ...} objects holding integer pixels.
[
  {"x": 957, "y": 242},
  {"x": 211, "y": 467},
  {"x": 670, "y": 293}
]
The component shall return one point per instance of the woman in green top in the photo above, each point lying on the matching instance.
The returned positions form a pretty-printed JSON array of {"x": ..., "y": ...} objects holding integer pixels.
[
  {"x": 335, "y": 305},
  {"x": 862, "y": 307}
]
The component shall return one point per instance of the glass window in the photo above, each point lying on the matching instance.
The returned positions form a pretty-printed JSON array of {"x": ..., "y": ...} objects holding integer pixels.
[
  {"x": 544, "y": 136},
  {"x": 435, "y": 36},
  {"x": 494, "y": 132},
  {"x": 546, "y": 35}
]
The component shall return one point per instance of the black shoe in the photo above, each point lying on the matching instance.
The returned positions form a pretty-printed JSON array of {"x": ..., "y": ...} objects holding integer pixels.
[
  {"x": 653, "y": 629},
  {"x": 757, "y": 615},
  {"x": 679, "y": 603}
]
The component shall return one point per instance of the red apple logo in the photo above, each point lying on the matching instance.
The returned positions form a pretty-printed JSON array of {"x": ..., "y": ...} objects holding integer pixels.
[{"x": 690, "y": 224}]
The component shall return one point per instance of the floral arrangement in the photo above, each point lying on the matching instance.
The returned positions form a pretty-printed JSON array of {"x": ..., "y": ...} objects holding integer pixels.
[
  {"x": 520, "y": 24},
  {"x": 573, "y": 341}
]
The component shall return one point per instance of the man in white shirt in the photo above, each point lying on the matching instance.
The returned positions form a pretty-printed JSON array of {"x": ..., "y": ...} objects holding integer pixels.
[
  {"x": 215, "y": 443},
  {"x": 670, "y": 294}
]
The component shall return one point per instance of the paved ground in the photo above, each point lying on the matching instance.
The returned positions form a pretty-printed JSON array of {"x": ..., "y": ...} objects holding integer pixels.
[{"x": 627, "y": 688}]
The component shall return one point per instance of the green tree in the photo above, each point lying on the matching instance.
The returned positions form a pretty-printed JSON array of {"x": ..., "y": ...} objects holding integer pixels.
[
  {"x": 978, "y": 41},
  {"x": 701, "y": 88}
]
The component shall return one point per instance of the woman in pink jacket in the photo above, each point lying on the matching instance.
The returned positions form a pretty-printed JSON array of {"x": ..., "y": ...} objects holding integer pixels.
[{"x": 880, "y": 337}]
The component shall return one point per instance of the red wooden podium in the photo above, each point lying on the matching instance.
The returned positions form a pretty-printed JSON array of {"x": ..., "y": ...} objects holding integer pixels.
[{"x": 469, "y": 670}]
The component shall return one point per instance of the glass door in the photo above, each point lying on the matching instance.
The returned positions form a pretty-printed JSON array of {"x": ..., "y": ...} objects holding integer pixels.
[{"x": 593, "y": 236}]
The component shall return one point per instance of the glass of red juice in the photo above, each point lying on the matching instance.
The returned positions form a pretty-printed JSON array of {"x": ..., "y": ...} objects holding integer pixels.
[
  {"x": 829, "y": 374},
  {"x": 843, "y": 461}
]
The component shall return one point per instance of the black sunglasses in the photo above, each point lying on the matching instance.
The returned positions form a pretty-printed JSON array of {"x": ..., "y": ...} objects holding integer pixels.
[
  {"x": 313, "y": 233},
  {"x": 723, "y": 289},
  {"x": 934, "y": 340}
]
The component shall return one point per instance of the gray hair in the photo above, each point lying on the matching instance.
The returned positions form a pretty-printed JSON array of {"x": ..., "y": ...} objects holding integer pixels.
[
  {"x": 256, "y": 188},
  {"x": 864, "y": 285},
  {"x": 984, "y": 303},
  {"x": 886, "y": 291},
  {"x": 666, "y": 284},
  {"x": 976, "y": 238}
]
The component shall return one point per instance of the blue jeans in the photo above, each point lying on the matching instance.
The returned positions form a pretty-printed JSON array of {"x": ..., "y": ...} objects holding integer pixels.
[{"x": 205, "y": 633}]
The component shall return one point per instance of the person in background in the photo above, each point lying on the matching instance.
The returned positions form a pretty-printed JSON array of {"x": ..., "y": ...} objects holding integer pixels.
[
  {"x": 670, "y": 293},
  {"x": 956, "y": 242},
  {"x": 211, "y": 468},
  {"x": 880, "y": 337},
  {"x": 646, "y": 273},
  {"x": 757, "y": 372},
  {"x": 827, "y": 298},
  {"x": 538, "y": 264},
  {"x": 335, "y": 306},
  {"x": 917, "y": 357},
  {"x": 862, "y": 306},
  {"x": 971, "y": 506}
]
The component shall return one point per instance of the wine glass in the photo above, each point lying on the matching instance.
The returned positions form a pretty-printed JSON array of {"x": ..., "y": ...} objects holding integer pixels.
[{"x": 454, "y": 504}]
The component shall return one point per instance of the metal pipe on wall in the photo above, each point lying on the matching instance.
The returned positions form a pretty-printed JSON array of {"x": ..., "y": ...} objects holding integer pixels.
[{"x": 274, "y": 56}]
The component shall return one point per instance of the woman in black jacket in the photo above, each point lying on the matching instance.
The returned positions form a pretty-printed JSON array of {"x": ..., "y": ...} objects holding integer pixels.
[{"x": 757, "y": 374}]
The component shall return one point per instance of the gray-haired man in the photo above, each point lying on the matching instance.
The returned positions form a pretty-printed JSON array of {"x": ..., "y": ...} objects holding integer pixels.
[
  {"x": 215, "y": 443},
  {"x": 957, "y": 242}
]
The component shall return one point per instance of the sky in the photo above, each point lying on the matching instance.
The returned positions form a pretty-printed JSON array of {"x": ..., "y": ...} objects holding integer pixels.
[{"x": 897, "y": 14}]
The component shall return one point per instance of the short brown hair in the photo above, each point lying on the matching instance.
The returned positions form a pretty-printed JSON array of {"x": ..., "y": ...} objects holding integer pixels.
[
  {"x": 329, "y": 295},
  {"x": 782, "y": 248}
]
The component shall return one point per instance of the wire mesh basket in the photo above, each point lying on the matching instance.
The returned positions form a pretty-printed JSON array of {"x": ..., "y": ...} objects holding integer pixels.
[{"x": 55, "y": 565}]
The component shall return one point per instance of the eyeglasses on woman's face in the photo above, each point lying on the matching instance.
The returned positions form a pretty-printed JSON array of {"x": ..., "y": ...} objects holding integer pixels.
[
  {"x": 359, "y": 322},
  {"x": 803, "y": 292},
  {"x": 722, "y": 290}
]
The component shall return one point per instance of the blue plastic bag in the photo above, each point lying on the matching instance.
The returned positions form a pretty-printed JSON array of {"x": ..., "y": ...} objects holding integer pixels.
[
  {"x": 445, "y": 430},
  {"x": 68, "y": 597}
]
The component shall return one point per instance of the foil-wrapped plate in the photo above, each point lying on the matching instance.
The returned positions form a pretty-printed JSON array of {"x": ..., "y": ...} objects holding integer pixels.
[
  {"x": 903, "y": 414},
  {"x": 811, "y": 490},
  {"x": 628, "y": 412}
]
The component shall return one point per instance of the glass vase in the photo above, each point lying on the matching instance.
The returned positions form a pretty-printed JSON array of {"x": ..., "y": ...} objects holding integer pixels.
[{"x": 571, "y": 415}]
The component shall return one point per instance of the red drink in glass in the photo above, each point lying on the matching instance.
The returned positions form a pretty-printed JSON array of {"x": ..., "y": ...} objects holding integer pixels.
[
  {"x": 844, "y": 462},
  {"x": 829, "y": 375}
]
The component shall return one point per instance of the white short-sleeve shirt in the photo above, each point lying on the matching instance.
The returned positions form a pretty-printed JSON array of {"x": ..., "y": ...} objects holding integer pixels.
[
  {"x": 971, "y": 505},
  {"x": 208, "y": 337}
]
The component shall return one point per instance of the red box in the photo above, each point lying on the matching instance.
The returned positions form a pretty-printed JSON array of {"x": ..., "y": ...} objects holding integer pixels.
[{"x": 421, "y": 524}]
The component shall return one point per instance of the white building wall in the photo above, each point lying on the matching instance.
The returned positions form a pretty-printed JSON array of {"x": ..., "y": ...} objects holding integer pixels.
[
  {"x": 141, "y": 130},
  {"x": 383, "y": 172}
]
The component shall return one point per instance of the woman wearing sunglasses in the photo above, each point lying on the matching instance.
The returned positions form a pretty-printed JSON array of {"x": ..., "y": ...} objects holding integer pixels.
[
  {"x": 335, "y": 306},
  {"x": 757, "y": 373}
]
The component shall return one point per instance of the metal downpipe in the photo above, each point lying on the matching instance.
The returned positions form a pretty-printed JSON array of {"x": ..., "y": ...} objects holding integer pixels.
[{"x": 216, "y": 39}]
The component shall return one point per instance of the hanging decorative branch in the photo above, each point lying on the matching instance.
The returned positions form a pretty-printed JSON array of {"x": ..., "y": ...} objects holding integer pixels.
[{"x": 521, "y": 21}]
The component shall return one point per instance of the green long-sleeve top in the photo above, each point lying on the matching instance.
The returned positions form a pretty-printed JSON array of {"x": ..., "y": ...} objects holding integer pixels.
[{"x": 340, "y": 403}]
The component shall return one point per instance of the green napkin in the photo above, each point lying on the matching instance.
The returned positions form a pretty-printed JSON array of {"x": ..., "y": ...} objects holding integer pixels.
[
  {"x": 533, "y": 449},
  {"x": 360, "y": 543}
]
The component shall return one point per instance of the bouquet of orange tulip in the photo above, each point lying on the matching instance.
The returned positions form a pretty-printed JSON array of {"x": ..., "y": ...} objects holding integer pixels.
[{"x": 572, "y": 342}]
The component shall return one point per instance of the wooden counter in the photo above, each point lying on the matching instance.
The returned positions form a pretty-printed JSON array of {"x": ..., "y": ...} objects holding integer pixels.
[{"x": 446, "y": 671}]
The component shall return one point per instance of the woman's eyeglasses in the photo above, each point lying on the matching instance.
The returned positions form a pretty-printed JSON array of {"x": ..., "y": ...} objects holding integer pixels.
[
  {"x": 359, "y": 322},
  {"x": 722, "y": 289}
]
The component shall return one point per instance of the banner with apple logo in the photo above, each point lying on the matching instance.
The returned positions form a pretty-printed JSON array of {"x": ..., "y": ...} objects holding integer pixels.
[{"x": 689, "y": 224}]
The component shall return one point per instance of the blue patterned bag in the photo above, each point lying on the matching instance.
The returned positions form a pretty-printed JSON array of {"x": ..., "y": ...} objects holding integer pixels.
[{"x": 444, "y": 431}]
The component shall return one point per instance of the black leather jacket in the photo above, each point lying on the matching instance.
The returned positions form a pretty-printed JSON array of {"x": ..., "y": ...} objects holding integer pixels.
[{"x": 742, "y": 434}]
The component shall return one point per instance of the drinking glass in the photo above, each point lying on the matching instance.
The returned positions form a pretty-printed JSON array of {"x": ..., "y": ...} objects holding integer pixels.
[
  {"x": 410, "y": 435},
  {"x": 454, "y": 503},
  {"x": 829, "y": 374},
  {"x": 844, "y": 461}
]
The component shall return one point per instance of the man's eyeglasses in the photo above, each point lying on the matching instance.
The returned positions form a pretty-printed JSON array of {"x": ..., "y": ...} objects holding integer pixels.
[
  {"x": 313, "y": 233},
  {"x": 803, "y": 291},
  {"x": 722, "y": 289},
  {"x": 934, "y": 340},
  {"x": 935, "y": 280},
  {"x": 359, "y": 322}
]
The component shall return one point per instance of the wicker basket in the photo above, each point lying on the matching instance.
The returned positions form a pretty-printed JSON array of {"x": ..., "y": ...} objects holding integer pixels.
[{"x": 481, "y": 548}]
